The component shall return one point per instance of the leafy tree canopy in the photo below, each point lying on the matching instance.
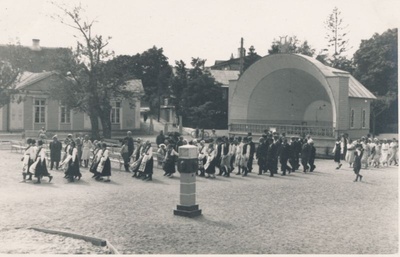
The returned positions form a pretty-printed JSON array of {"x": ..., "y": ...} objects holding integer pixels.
[
  {"x": 291, "y": 45},
  {"x": 376, "y": 63}
]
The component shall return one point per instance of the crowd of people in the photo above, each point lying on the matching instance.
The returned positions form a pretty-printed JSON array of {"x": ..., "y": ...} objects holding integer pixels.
[
  {"x": 365, "y": 152},
  {"x": 77, "y": 154},
  {"x": 221, "y": 156}
]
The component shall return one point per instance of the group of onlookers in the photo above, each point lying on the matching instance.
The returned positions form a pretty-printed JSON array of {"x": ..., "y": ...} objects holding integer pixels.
[{"x": 365, "y": 152}]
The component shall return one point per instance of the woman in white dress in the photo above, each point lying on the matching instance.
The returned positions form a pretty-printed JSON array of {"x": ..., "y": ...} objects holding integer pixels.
[
  {"x": 87, "y": 145},
  {"x": 351, "y": 147}
]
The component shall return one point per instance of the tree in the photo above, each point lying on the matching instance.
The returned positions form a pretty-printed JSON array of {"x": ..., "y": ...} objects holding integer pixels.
[
  {"x": 201, "y": 102},
  {"x": 336, "y": 35},
  {"x": 250, "y": 58},
  {"x": 83, "y": 68},
  {"x": 379, "y": 106},
  {"x": 155, "y": 72},
  {"x": 291, "y": 45},
  {"x": 179, "y": 83},
  {"x": 8, "y": 76},
  {"x": 12, "y": 59},
  {"x": 376, "y": 67}
]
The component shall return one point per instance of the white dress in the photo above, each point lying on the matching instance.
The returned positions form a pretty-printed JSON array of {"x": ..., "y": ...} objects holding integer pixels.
[{"x": 86, "y": 146}]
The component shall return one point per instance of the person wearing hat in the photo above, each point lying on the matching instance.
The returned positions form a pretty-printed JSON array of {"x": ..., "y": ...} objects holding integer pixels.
[
  {"x": 272, "y": 157},
  {"x": 284, "y": 154},
  {"x": 261, "y": 155},
  {"x": 251, "y": 154},
  {"x": 357, "y": 161},
  {"x": 55, "y": 152},
  {"x": 244, "y": 157}
]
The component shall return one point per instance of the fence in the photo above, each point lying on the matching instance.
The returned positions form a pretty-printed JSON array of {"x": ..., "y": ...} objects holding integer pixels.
[{"x": 323, "y": 131}]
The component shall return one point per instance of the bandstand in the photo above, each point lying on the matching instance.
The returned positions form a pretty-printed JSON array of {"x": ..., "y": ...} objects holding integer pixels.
[{"x": 298, "y": 95}]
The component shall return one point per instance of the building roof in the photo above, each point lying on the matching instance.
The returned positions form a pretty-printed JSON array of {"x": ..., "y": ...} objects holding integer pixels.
[
  {"x": 28, "y": 78},
  {"x": 135, "y": 85},
  {"x": 223, "y": 76},
  {"x": 357, "y": 90}
]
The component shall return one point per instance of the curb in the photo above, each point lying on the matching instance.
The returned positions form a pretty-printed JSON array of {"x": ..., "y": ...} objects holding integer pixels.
[{"x": 93, "y": 240}]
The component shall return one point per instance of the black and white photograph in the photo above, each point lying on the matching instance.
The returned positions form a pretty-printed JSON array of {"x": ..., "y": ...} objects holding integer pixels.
[{"x": 149, "y": 127}]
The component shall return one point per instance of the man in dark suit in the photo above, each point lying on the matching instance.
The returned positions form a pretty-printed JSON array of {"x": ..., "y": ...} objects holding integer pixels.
[
  {"x": 284, "y": 155},
  {"x": 130, "y": 144},
  {"x": 55, "y": 152},
  {"x": 252, "y": 152},
  {"x": 305, "y": 156}
]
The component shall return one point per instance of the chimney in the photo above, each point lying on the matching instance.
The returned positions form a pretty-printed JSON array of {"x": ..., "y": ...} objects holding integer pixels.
[
  {"x": 35, "y": 44},
  {"x": 241, "y": 56}
]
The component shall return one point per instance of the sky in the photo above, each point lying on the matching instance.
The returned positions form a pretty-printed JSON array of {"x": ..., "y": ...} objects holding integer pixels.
[{"x": 207, "y": 29}]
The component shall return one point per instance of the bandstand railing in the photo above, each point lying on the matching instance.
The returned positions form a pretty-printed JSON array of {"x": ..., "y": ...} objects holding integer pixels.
[{"x": 313, "y": 130}]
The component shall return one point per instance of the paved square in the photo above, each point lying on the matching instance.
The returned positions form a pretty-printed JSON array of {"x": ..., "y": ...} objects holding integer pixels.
[{"x": 324, "y": 212}]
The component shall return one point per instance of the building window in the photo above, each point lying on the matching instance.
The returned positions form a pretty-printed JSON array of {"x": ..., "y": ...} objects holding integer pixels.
[
  {"x": 352, "y": 119},
  {"x": 363, "y": 118},
  {"x": 40, "y": 111},
  {"x": 65, "y": 115},
  {"x": 115, "y": 113}
]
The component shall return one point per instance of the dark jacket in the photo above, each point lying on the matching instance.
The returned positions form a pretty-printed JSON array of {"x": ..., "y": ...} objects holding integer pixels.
[
  {"x": 55, "y": 151},
  {"x": 285, "y": 151},
  {"x": 306, "y": 152}
]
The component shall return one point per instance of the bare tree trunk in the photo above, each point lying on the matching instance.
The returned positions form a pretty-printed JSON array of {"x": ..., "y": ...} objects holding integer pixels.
[
  {"x": 106, "y": 122},
  {"x": 94, "y": 121}
]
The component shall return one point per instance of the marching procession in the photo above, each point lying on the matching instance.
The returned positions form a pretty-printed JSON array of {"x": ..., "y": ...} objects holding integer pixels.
[{"x": 221, "y": 156}]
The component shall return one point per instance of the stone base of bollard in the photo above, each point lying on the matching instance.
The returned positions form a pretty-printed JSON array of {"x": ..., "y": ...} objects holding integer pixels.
[{"x": 187, "y": 211}]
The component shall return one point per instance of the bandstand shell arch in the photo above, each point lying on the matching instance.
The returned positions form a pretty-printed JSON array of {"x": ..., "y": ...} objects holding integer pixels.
[{"x": 284, "y": 89}]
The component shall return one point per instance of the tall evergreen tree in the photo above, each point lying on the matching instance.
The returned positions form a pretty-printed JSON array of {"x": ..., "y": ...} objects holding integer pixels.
[{"x": 338, "y": 42}]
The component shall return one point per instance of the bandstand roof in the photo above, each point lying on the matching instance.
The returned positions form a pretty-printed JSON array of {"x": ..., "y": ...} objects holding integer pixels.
[{"x": 356, "y": 89}]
